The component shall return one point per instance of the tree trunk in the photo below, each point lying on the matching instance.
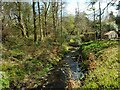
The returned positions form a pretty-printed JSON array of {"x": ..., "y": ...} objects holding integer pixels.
[
  {"x": 53, "y": 16},
  {"x": 100, "y": 19},
  {"x": 45, "y": 17},
  {"x": 56, "y": 19},
  {"x": 40, "y": 25},
  {"x": 3, "y": 22},
  {"x": 21, "y": 25},
  {"x": 61, "y": 23},
  {"x": 34, "y": 18}
]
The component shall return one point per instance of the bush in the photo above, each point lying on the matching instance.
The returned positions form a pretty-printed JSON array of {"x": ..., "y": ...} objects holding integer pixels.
[
  {"x": 97, "y": 45},
  {"x": 88, "y": 36},
  {"x": 4, "y": 82}
]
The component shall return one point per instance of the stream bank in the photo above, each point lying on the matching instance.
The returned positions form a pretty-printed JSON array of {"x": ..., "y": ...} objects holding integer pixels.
[{"x": 67, "y": 74}]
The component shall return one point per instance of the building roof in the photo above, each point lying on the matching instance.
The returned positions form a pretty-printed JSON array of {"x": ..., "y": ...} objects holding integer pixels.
[{"x": 110, "y": 32}]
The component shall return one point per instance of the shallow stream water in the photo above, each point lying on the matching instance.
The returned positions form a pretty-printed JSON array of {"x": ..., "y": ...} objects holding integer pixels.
[{"x": 69, "y": 69}]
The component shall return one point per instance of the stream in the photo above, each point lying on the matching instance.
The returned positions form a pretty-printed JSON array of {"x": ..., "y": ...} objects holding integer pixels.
[{"x": 68, "y": 69}]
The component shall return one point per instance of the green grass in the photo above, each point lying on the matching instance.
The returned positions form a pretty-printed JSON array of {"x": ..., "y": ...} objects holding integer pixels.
[
  {"x": 4, "y": 82},
  {"x": 24, "y": 63},
  {"x": 26, "y": 71},
  {"x": 96, "y": 46},
  {"x": 105, "y": 75}
]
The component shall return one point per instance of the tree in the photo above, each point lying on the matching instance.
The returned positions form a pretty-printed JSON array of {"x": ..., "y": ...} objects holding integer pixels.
[
  {"x": 56, "y": 13},
  {"x": 118, "y": 19},
  {"x": 21, "y": 24},
  {"x": 53, "y": 16},
  {"x": 68, "y": 24},
  {"x": 46, "y": 7},
  {"x": 118, "y": 16},
  {"x": 3, "y": 17},
  {"x": 81, "y": 23},
  {"x": 34, "y": 18},
  {"x": 40, "y": 23},
  {"x": 61, "y": 22},
  {"x": 55, "y": 9},
  {"x": 92, "y": 2},
  {"x": 111, "y": 17},
  {"x": 100, "y": 28},
  {"x": 27, "y": 20}
]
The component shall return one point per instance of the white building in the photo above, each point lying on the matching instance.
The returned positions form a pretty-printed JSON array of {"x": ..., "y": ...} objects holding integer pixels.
[{"x": 111, "y": 35}]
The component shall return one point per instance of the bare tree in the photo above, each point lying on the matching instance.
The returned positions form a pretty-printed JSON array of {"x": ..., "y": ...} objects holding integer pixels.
[
  {"x": 22, "y": 27},
  {"x": 34, "y": 18},
  {"x": 46, "y": 7},
  {"x": 55, "y": 8},
  {"x": 56, "y": 13},
  {"x": 40, "y": 23},
  {"x": 53, "y": 17},
  {"x": 3, "y": 19},
  {"x": 61, "y": 22}
]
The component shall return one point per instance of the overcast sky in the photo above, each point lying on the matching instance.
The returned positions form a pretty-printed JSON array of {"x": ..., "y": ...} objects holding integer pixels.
[{"x": 83, "y": 6}]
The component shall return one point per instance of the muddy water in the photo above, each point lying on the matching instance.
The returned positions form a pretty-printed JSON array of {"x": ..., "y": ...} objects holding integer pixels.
[{"x": 68, "y": 69}]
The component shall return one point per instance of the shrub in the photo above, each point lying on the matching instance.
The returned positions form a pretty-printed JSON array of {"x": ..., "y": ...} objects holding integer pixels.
[
  {"x": 4, "y": 82},
  {"x": 97, "y": 45}
]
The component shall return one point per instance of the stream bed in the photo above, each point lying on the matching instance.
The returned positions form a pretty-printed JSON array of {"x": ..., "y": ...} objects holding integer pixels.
[{"x": 68, "y": 69}]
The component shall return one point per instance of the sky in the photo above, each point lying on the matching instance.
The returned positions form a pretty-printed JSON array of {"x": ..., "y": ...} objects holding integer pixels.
[
  {"x": 83, "y": 6},
  {"x": 72, "y": 4}
]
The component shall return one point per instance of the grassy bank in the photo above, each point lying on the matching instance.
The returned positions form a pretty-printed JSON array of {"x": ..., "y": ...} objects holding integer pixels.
[
  {"x": 103, "y": 69},
  {"x": 26, "y": 64}
]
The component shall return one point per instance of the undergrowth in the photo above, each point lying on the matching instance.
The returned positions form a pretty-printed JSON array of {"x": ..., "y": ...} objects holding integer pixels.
[
  {"x": 104, "y": 75},
  {"x": 26, "y": 63}
]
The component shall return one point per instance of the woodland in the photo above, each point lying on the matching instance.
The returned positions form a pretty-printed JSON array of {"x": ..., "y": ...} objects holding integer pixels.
[{"x": 45, "y": 48}]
